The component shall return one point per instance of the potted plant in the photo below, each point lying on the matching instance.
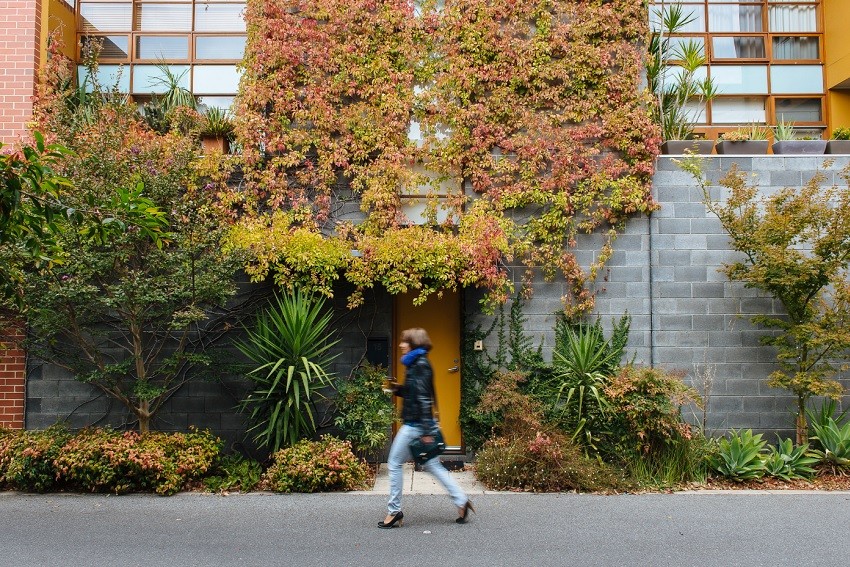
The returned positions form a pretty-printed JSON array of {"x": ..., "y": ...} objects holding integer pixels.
[
  {"x": 750, "y": 139},
  {"x": 839, "y": 142},
  {"x": 786, "y": 143},
  {"x": 672, "y": 76},
  {"x": 216, "y": 130}
]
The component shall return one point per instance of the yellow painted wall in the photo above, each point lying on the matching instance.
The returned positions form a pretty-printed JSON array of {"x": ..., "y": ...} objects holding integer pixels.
[
  {"x": 56, "y": 14},
  {"x": 836, "y": 14}
]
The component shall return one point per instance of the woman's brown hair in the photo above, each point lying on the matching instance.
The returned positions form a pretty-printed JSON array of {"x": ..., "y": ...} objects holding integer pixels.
[{"x": 416, "y": 337}]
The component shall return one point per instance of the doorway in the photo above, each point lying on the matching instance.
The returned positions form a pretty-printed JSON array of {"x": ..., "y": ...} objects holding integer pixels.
[{"x": 441, "y": 319}]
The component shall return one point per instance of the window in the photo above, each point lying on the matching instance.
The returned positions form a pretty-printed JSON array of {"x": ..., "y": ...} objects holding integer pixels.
[
  {"x": 162, "y": 47},
  {"x": 792, "y": 18},
  {"x": 96, "y": 17},
  {"x": 218, "y": 47},
  {"x": 735, "y": 18},
  {"x": 163, "y": 17},
  {"x": 742, "y": 110},
  {"x": 219, "y": 17},
  {"x": 790, "y": 79},
  {"x": 215, "y": 79},
  {"x": 799, "y": 109},
  {"x": 740, "y": 79},
  {"x": 785, "y": 47},
  {"x": 738, "y": 47},
  {"x": 148, "y": 79},
  {"x": 112, "y": 46}
]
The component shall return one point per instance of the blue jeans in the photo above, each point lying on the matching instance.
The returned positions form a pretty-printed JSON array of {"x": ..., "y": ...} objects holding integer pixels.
[{"x": 400, "y": 453}]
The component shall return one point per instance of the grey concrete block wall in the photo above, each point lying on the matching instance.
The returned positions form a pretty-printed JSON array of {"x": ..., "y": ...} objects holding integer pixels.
[
  {"x": 210, "y": 400},
  {"x": 686, "y": 316}
]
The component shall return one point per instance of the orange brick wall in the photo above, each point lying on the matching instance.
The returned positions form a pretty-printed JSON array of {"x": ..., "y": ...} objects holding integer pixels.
[
  {"x": 12, "y": 375},
  {"x": 19, "y": 58}
]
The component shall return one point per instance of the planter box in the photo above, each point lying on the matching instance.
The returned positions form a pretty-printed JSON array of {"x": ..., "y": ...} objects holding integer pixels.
[
  {"x": 678, "y": 147},
  {"x": 218, "y": 145},
  {"x": 799, "y": 147},
  {"x": 747, "y": 147},
  {"x": 838, "y": 147}
]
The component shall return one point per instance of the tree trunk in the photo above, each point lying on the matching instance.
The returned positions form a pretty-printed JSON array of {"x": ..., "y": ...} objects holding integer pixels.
[
  {"x": 802, "y": 426},
  {"x": 144, "y": 417}
]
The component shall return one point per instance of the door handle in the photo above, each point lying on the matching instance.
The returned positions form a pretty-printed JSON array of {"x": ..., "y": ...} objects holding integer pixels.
[{"x": 454, "y": 369}]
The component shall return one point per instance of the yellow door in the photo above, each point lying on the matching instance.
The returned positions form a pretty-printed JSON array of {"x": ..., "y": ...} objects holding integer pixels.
[{"x": 441, "y": 318}]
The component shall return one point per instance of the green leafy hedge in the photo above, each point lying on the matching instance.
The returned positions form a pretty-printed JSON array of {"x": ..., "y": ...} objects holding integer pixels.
[{"x": 316, "y": 466}]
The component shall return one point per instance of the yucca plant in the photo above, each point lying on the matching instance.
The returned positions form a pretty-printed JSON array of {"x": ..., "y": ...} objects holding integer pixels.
[
  {"x": 739, "y": 457},
  {"x": 834, "y": 441},
  {"x": 583, "y": 361},
  {"x": 290, "y": 345},
  {"x": 788, "y": 462},
  {"x": 216, "y": 122}
]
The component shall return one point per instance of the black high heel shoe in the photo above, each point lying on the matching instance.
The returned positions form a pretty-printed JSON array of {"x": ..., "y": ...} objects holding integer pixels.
[
  {"x": 397, "y": 518},
  {"x": 464, "y": 512}
]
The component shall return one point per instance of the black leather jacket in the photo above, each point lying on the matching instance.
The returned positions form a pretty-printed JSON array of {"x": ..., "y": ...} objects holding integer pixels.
[{"x": 418, "y": 393}]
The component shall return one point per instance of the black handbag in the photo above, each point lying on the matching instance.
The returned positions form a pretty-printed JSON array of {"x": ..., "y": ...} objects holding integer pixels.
[{"x": 424, "y": 451}]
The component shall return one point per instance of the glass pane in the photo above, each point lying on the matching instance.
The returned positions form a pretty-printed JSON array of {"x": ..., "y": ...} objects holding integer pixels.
[
  {"x": 729, "y": 18},
  {"x": 219, "y": 47},
  {"x": 740, "y": 79},
  {"x": 738, "y": 47},
  {"x": 798, "y": 110},
  {"x": 221, "y": 17},
  {"x": 105, "y": 17},
  {"x": 795, "y": 48},
  {"x": 792, "y": 19},
  {"x": 789, "y": 79},
  {"x": 150, "y": 79},
  {"x": 164, "y": 17},
  {"x": 162, "y": 47},
  {"x": 694, "y": 13},
  {"x": 744, "y": 110},
  {"x": 207, "y": 102},
  {"x": 695, "y": 111},
  {"x": 108, "y": 76},
  {"x": 113, "y": 46},
  {"x": 215, "y": 79}
]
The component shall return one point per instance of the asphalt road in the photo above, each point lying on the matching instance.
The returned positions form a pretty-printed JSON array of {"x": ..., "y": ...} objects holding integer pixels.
[{"x": 700, "y": 529}]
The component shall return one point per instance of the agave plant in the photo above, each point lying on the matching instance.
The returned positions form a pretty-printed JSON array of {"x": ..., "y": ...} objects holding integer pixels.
[
  {"x": 739, "y": 457},
  {"x": 290, "y": 346},
  {"x": 834, "y": 441},
  {"x": 788, "y": 462}
]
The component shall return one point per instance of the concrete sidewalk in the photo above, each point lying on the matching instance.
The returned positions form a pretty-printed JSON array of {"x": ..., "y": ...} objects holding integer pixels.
[{"x": 420, "y": 482}]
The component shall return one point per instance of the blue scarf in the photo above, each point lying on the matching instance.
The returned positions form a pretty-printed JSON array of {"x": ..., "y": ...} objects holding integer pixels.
[{"x": 411, "y": 357}]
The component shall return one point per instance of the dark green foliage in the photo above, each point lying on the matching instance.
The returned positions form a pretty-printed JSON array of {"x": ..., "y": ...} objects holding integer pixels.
[
  {"x": 234, "y": 472},
  {"x": 290, "y": 347},
  {"x": 316, "y": 466},
  {"x": 834, "y": 443},
  {"x": 364, "y": 411}
]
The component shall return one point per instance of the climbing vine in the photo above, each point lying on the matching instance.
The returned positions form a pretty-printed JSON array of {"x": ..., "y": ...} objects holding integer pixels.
[{"x": 520, "y": 124}]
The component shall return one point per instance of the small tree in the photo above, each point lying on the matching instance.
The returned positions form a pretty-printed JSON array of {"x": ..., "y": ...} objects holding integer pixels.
[{"x": 796, "y": 247}]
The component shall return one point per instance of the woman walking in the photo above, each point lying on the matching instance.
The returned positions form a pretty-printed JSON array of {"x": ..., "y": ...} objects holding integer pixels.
[{"x": 417, "y": 394}]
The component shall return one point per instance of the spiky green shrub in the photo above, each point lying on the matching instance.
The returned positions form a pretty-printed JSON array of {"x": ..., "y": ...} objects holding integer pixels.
[
  {"x": 234, "y": 472},
  {"x": 316, "y": 466},
  {"x": 289, "y": 346},
  {"x": 834, "y": 442},
  {"x": 740, "y": 456},
  {"x": 788, "y": 462}
]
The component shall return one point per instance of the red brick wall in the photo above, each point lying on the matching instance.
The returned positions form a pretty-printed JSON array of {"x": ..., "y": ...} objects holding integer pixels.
[
  {"x": 12, "y": 374},
  {"x": 19, "y": 57},
  {"x": 20, "y": 21}
]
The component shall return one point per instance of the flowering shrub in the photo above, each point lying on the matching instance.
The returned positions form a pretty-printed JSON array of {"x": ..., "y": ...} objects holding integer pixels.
[
  {"x": 26, "y": 458},
  {"x": 316, "y": 466}
]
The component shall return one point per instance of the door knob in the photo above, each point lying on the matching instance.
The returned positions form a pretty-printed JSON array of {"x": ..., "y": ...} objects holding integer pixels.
[{"x": 454, "y": 369}]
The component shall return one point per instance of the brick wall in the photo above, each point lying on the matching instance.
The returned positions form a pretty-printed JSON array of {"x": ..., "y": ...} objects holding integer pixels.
[
  {"x": 19, "y": 56},
  {"x": 19, "y": 53},
  {"x": 12, "y": 375}
]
